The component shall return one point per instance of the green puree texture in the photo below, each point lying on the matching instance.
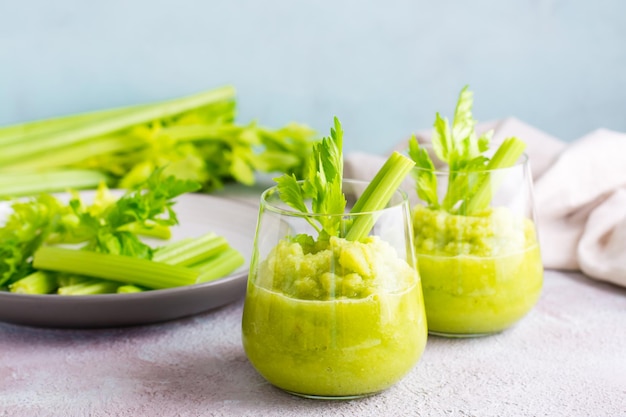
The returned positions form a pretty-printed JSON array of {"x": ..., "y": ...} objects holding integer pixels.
[
  {"x": 357, "y": 336},
  {"x": 480, "y": 274}
]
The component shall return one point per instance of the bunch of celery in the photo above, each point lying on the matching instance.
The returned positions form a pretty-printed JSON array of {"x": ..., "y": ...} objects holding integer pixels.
[
  {"x": 193, "y": 137},
  {"x": 470, "y": 183},
  {"x": 35, "y": 259}
]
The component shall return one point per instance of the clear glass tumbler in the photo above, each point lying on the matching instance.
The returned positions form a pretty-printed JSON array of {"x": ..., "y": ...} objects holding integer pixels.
[
  {"x": 479, "y": 259},
  {"x": 328, "y": 317}
]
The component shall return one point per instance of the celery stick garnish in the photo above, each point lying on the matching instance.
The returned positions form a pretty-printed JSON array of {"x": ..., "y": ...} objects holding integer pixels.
[
  {"x": 470, "y": 184},
  {"x": 507, "y": 154},
  {"x": 378, "y": 193}
]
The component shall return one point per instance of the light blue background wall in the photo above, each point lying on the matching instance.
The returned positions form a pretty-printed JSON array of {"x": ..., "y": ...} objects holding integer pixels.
[{"x": 383, "y": 67}]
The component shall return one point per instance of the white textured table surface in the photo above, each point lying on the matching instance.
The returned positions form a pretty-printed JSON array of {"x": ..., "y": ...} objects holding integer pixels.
[{"x": 566, "y": 358}]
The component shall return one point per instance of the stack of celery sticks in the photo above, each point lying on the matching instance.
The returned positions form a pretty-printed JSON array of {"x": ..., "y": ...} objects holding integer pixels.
[
  {"x": 194, "y": 137},
  {"x": 157, "y": 152}
]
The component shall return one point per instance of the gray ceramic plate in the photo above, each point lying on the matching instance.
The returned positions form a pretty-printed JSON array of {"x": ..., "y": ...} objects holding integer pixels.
[{"x": 197, "y": 214}]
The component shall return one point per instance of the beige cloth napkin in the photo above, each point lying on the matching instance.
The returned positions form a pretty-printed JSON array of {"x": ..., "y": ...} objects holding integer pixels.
[{"x": 579, "y": 190}]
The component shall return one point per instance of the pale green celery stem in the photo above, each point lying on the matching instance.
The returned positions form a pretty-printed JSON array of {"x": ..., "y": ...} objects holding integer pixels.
[
  {"x": 201, "y": 132},
  {"x": 157, "y": 231},
  {"x": 65, "y": 280},
  {"x": 113, "y": 123},
  {"x": 173, "y": 245},
  {"x": 127, "y": 289},
  {"x": 39, "y": 282},
  {"x": 74, "y": 153},
  {"x": 20, "y": 184},
  {"x": 220, "y": 266},
  {"x": 26, "y": 131},
  {"x": 378, "y": 193},
  {"x": 91, "y": 287},
  {"x": 118, "y": 268},
  {"x": 458, "y": 184},
  {"x": 191, "y": 251},
  {"x": 507, "y": 154}
]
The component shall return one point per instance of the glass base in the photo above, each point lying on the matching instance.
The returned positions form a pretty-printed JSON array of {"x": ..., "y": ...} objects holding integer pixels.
[
  {"x": 329, "y": 397},
  {"x": 460, "y": 335}
]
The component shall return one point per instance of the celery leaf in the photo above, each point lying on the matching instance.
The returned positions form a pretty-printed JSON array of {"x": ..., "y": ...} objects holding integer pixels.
[
  {"x": 322, "y": 183},
  {"x": 425, "y": 178}
]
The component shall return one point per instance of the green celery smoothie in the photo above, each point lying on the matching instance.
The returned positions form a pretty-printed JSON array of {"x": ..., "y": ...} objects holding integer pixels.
[
  {"x": 325, "y": 319},
  {"x": 480, "y": 274}
]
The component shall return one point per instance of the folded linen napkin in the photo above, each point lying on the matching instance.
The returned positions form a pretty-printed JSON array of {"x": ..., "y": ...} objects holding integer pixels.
[{"x": 579, "y": 190}]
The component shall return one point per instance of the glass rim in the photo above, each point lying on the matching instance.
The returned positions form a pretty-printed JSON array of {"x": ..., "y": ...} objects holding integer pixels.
[
  {"x": 522, "y": 162},
  {"x": 287, "y": 210}
]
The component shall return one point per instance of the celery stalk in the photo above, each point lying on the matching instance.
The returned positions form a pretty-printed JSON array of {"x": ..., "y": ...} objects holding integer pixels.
[
  {"x": 192, "y": 133},
  {"x": 118, "y": 268},
  {"x": 112, "y": 123},
  {"x": 155, "y": 230},
  {"x": 219, "y": 266},
  {"x": 29, "y": 130},
  {"x": 19, "y": 184},
  {"x": 378, "y": 193},
  {"x": 91, "y": 287},
  {"x": 39, "y": 282},
  {"x": 191, "y": 251},
  {"x": 73, "y": 154},
  {"x": 65, "y": 280},
  {"x": 507, "y": 154},
  {"x": 126, "y": 289},
  {"x": 471, "y": 177}
]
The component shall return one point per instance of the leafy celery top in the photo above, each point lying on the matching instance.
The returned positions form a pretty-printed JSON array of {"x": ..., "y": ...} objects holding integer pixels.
[
  {"x": 320, "y": 192},
  {"x": 470, "y": 184}
]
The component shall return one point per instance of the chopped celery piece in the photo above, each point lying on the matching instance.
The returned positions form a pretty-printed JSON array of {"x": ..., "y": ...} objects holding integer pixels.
[
  {"x": 39, "y": 282},
  {"x": 157, "y": 231},
  {"x": 191, "y": 251},
  {"x": 65, "y": 280},
  {"x": 124, "y": 269},
  {"x": 219, "y": 266},
  {"x": 90, "y": 287},
  {"x": 129, "y": 288}
]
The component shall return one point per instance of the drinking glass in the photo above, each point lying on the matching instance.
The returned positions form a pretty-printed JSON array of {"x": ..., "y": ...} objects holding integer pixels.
[
  {"x": 327, "y": 317},
  {"x": 479, "y": 262}
]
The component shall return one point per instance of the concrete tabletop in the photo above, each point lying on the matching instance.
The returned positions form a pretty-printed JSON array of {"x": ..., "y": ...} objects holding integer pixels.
[{"x": 566, "y": 358}]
